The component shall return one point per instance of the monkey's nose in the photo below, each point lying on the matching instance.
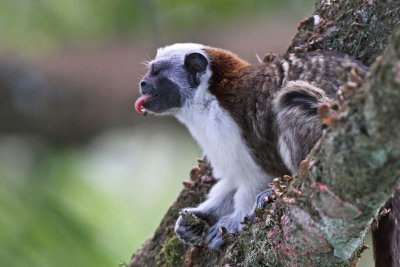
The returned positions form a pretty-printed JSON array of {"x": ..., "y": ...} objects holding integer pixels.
[{"x": 145, "y": 86}]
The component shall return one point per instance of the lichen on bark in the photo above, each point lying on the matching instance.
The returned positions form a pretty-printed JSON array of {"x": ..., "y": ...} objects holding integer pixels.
[{"x": 360, "y": 28}]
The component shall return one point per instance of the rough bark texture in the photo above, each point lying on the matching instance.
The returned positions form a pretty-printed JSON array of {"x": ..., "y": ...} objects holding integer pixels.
[
  {"x": 324, "y": 212},
  {"x": 360, "y": 28}
]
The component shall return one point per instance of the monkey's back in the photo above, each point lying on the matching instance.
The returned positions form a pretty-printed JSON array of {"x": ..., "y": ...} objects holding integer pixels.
[
  {"x": 250, "y": 96},
  {"x": 323, "y": 69}
]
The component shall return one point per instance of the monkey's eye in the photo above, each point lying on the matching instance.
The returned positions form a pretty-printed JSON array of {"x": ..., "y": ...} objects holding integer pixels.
[{"x": 155, "y": 70}]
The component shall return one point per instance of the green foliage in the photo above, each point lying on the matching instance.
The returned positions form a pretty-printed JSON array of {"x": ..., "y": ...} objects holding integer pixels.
[
  {"x": 90, "y": 205},
  {"x": 38, "y": 25},
  {"x": 38, "y": 229}
]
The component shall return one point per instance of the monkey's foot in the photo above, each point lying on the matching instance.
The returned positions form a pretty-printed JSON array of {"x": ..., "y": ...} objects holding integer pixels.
[
  {"x": 190, "y": 227},
  {"x": 214, "y": 236},
  {"x": 262, "y": 200}
]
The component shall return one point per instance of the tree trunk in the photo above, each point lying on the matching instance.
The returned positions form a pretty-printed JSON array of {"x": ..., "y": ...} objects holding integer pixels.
[{"x": 324, "y": 212}]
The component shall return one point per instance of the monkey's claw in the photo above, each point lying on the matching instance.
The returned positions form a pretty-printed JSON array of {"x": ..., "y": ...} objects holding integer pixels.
[
  {"x": 189, "y": 231},
  {"x": 214, "y": 236},
  {"x": 262, "y": 200}
]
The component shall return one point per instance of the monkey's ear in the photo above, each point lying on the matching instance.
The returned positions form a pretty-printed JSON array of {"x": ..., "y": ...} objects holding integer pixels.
[{"x": 196, "y": 62}]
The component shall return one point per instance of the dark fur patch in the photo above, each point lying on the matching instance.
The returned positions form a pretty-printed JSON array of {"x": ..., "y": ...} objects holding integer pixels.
[
  {"x": 303, "y": 100},
  {"x": 166, "y": 95},
  {"x": 195, "y": 64},
  {"x": 386, "y": 234},
  {"x": 157, "y": 67}
]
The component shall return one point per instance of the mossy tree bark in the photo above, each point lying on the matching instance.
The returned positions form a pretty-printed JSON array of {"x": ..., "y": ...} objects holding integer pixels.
[{"x": 325, "y": 210}]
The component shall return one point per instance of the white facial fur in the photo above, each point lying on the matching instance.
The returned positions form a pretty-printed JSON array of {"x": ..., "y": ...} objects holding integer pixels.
[{"x": 178, "y": 50}]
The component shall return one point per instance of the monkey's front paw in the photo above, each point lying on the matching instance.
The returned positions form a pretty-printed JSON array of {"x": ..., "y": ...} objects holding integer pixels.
[
  {"x": 190, "y": 227},
  {"x": 214, "y": 236},
  {"x": 262, "y": 200}
]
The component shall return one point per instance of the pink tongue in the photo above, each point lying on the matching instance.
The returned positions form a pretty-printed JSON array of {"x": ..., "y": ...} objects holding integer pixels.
[{"x": 139, "y": 103}]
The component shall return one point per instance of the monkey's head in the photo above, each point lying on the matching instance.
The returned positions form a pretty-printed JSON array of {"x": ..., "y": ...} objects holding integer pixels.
[{"x": 173, "y": 78}]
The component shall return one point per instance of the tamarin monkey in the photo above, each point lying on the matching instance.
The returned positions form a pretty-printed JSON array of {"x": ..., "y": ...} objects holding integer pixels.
[{"x": 254, "y": 122}]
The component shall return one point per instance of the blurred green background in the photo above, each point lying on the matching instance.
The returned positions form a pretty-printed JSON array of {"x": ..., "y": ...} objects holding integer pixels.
[{"x": 83, "y": 179}]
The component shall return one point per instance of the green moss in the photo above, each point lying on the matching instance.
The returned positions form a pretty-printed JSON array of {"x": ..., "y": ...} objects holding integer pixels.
[{"x": 172, "y": 252}]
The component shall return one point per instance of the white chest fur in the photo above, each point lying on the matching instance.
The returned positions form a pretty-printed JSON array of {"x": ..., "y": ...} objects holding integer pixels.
[{"x": 220, "y": 138}]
